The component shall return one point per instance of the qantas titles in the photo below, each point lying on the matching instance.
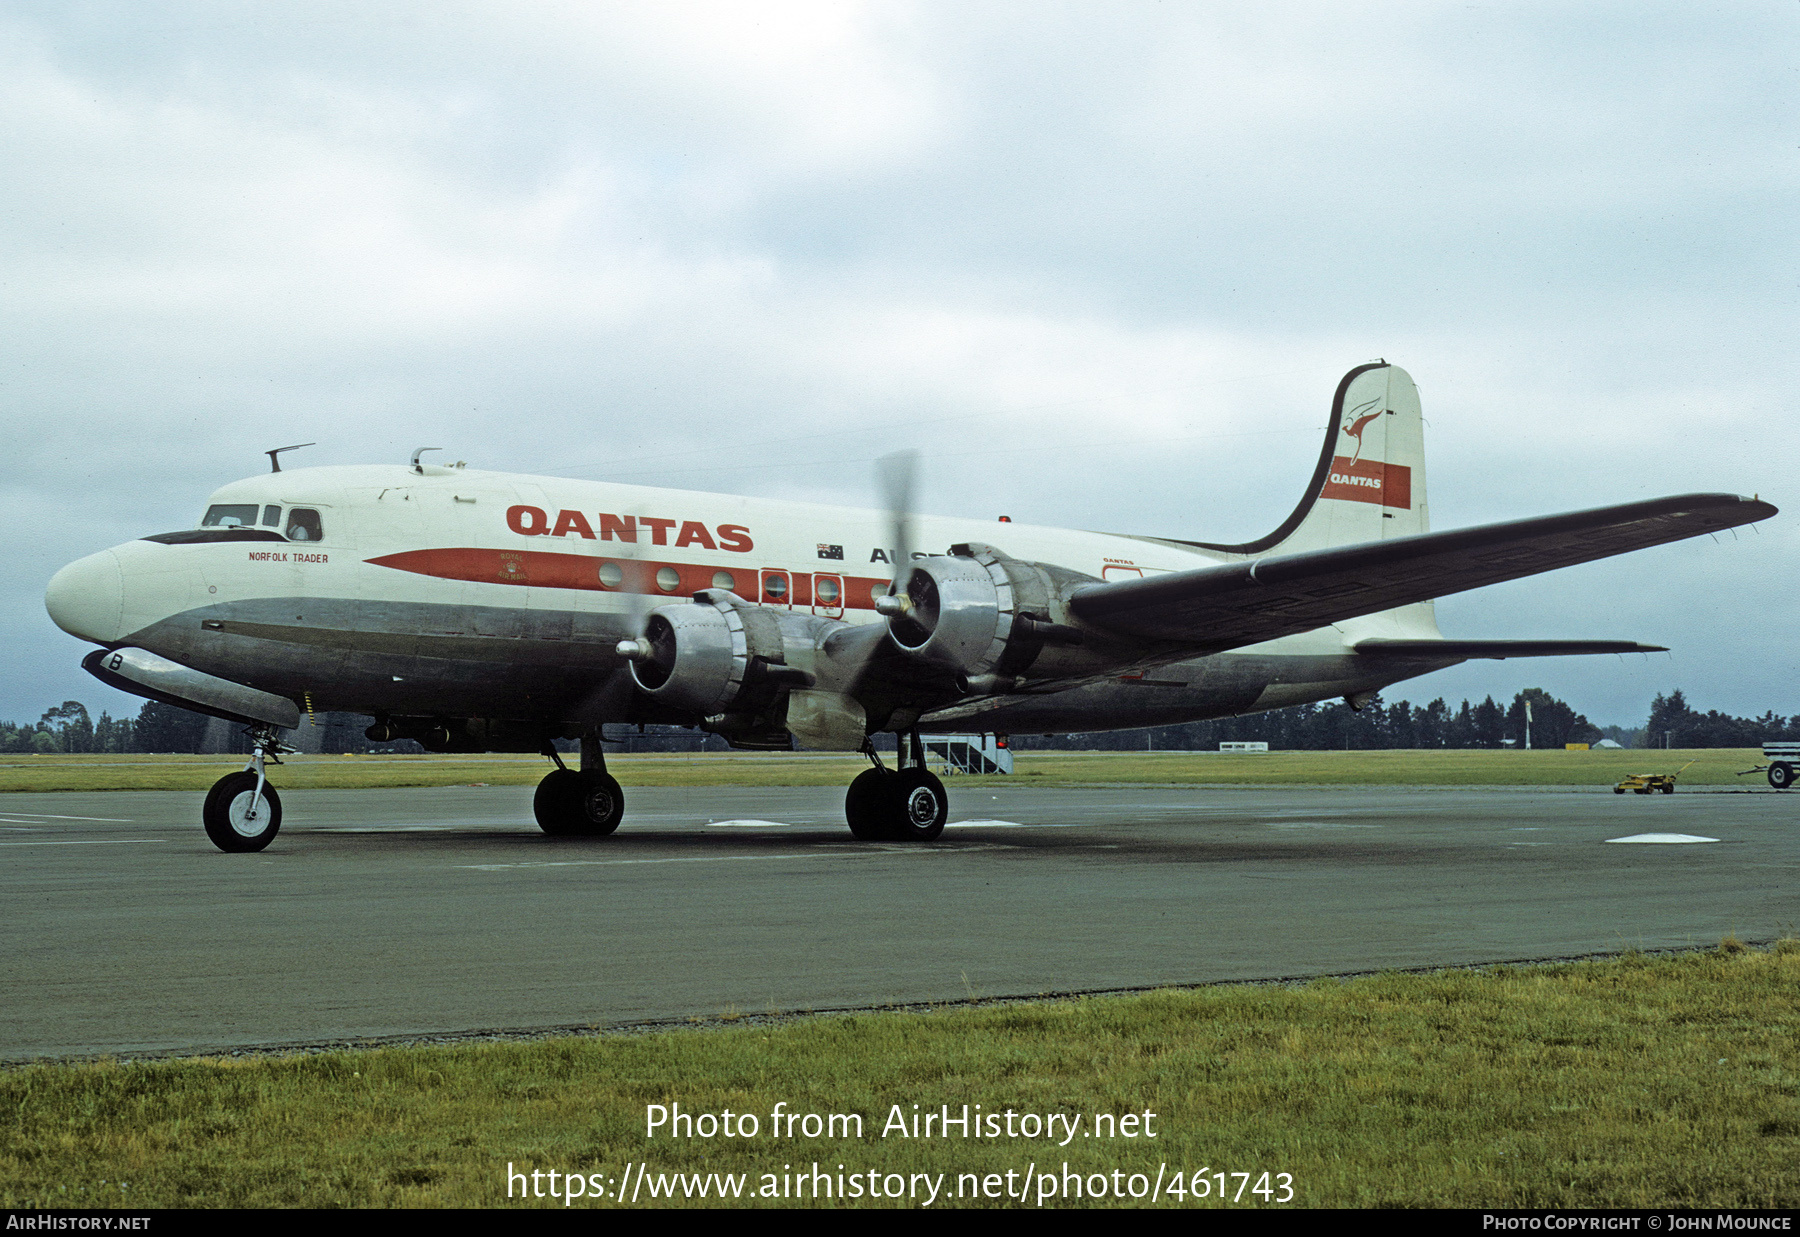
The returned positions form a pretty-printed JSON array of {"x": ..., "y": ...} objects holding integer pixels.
[
  {"x": 530, "y": 521},
  {"x": 534, "y": 522}
]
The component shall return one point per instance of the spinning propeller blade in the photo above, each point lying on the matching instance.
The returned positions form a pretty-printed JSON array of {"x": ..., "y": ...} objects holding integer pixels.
[{"x": 897, "y": 476}]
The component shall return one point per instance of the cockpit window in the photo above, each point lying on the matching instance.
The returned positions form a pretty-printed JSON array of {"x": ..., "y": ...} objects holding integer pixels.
[
  {"x": 303, "y": 525},
  {"x": 271, "y": 517},
  {"x": 230, "y": 515}
]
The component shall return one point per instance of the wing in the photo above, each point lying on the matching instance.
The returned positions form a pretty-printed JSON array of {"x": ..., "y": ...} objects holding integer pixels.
[
  {"x": 1497, "y": 650},
  {"x": 1210, "y": 609}
]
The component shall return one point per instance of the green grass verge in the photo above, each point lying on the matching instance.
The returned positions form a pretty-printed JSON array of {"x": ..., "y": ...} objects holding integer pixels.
[
  {"x": 1710, "y": 767},
  {"x": 1634, "y": 1082}
]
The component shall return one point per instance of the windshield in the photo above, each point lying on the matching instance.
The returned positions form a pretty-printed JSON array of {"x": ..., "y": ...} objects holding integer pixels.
[
  {"x": 302, "y": 524},
  {"x": 230, "y": 515}
]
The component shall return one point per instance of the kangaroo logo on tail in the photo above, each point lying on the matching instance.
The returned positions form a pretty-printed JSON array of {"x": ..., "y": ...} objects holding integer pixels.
[{"x": 1357, "y": 419}]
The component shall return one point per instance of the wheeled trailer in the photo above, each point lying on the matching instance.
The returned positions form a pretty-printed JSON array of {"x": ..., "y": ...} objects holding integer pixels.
[{"x": 1784, "y": 764}]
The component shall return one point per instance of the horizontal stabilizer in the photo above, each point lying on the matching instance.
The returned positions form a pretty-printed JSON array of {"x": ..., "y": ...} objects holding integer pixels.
[
  {"x": 1435, "y": 650},
  {"x": 1210, "y": 609}
]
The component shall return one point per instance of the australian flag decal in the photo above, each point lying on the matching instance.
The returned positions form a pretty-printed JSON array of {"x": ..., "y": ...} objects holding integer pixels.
[{"x": 831, "y": 551}]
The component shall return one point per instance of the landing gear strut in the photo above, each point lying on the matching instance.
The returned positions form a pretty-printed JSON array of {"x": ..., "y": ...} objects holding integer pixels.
[
  {"x": 242, "y": 812},
  {"x": 586, "y": 804},
  {"x": 904, "y": 804}
]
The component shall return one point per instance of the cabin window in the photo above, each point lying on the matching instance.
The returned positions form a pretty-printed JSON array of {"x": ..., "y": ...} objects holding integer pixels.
[
  {"x": 271, "y": 517},
  {"x": 825, "y": 591},
  {"x": 668, "y": 579},
  {"x": 724, "y": 580},
  {"x": 611, "y": 575},
  {"x": 775, "y": 587},
  {"x": 303, "y": 525},
  {"x": 230, "y": 515}
]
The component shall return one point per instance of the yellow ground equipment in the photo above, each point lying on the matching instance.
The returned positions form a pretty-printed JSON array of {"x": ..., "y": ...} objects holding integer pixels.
[{"x": 1645, "y": 783}]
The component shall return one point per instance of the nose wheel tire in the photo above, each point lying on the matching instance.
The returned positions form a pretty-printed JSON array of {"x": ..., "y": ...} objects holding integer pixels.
[
  {"x": 571, "y": 804},
  {"x": 1781, "y": 776},
  {"x": 238, "y": 819}
]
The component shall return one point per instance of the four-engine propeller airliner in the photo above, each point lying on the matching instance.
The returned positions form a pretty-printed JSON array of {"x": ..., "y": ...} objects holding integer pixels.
[{"x": 481, "y": 611}]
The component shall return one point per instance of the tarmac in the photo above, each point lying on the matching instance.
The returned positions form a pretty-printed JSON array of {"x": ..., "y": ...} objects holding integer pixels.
[{"x": 381, "y": 914}]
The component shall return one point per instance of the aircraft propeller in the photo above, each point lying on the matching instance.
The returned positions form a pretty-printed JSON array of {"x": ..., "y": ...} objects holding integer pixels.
[{"x": 907, "y": 603}]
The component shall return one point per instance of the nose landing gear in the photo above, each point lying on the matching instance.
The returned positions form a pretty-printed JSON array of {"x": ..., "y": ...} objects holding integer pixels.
[
  {"x": 242, "y": 812},
  {"x": 586, "y": 804},
  {"x": 904, "y": 804}
]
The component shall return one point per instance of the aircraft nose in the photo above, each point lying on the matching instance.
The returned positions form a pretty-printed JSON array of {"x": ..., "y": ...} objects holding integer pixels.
[{"x": 87, "y": 598}]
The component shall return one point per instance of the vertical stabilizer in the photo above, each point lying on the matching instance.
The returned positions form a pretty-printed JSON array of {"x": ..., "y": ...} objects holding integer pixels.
[{"x": 1370, "y": 481}]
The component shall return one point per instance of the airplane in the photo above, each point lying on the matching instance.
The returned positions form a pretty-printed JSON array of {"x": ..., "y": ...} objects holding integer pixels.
[{"x": 482, "y": 611}]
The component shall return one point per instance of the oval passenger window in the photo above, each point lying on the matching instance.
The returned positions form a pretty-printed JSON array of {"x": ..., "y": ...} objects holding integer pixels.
[
  {"x": 611, "y": 574},
  {"x": 826, "y": 590},
  {"x": 668, "y": 579},
  {"x": 724, "y": 580},
  {"x": 775, "y": 588}
]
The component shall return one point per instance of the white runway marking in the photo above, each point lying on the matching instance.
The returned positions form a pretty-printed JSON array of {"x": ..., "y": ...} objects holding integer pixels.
[
  {"x": 99, "y": 842},
  {"x": 746, "y": 824},
  {"x": 1320, "y": 824},
  {"x": 440, "y": 828},
  {"x": 988, "y": 824},
  {"x": 870, "y": 853},
  {"x": 1666, "y": 839}
]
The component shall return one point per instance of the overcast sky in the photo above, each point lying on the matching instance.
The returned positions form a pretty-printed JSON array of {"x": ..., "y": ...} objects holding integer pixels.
[{"x": 1103, "y": 264}]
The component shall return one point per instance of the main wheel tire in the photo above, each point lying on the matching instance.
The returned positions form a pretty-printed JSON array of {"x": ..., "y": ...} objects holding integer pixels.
[
  {"x": 870, "y": 805},
  {"x": 599, "y": 804},
  {"x": 230, "y": 821},
  {"x": 551, "y": 804},
  {"x": 922, "y": 805},
  {"x": 1668, "y": 788},
  {"x": 1781, "y": 776},
  {"x": 571, "y": 804}
]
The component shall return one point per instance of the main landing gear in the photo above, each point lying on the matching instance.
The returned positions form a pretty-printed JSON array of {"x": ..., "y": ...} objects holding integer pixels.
[
  {"x": 242, "y": 812},
  {"x": 904, "y": 804},
  {"x": 585, "y": 804}
]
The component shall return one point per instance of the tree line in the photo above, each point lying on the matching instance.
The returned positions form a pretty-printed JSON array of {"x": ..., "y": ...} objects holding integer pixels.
[
  {"x": 1672, "y": 722},
  {"x": 1338, "y": 726},
  {"x": 158, "y": 727}
]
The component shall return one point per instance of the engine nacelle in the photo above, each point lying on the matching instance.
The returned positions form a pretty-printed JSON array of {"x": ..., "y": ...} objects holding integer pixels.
[
  {"x": 971, "y": 611},
  {"x": 692, "y": 657},
  {"x": 716, "y": 655}
]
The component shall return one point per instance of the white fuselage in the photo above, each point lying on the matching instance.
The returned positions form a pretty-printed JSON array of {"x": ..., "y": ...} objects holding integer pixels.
[{"x": 455, "y": 591}]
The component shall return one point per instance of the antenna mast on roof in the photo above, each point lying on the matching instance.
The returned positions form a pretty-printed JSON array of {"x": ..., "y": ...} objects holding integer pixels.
[{"x": 275, "y": 464}]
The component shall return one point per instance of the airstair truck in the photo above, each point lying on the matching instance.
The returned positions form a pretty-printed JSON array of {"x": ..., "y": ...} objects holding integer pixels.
[{"x": 970, "y": 753}]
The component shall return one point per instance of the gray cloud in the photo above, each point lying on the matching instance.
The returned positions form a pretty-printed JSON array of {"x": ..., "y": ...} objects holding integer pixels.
[{"x": 1102, "y": 266}]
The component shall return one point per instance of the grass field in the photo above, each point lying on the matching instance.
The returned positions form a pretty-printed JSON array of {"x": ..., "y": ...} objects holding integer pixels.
[
  {"x": 1634, "y": 1082},
  {"x": 1711, "y": 767}
]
